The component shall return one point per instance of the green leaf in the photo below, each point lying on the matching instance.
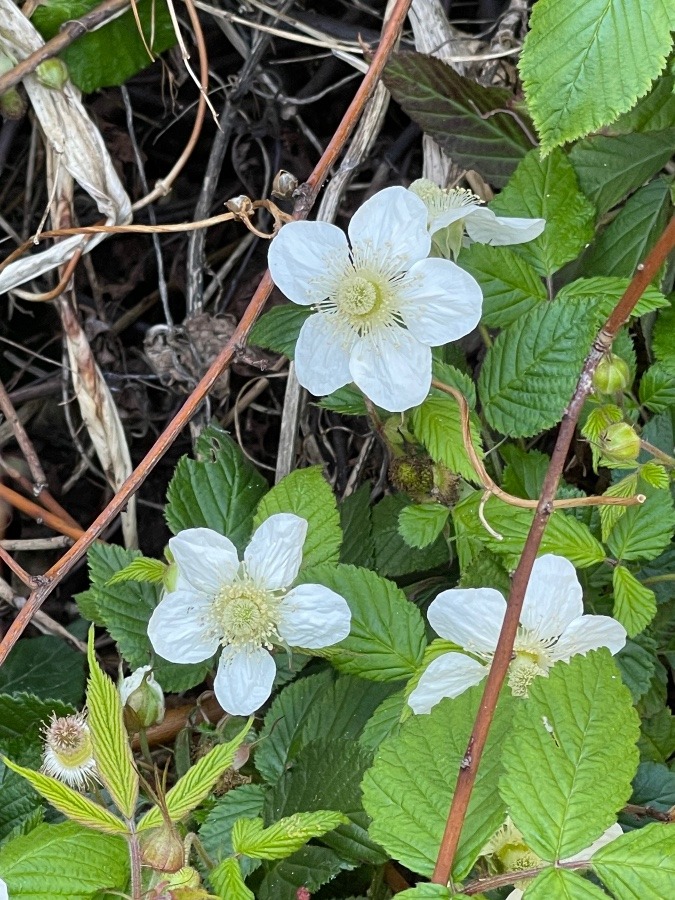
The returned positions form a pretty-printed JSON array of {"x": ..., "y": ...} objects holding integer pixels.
[
  {"x": 310, "y": 868},
  {"x": 387, "y": 637},
  {"x": 609, "y": 168},
  {"x": 279, "y": 327},
  {"x": 220, "y": 490},
  {"x": 511, "y": 287},
  {"x": 467, "y": 119},
  {"x": 285, "y": 836},
  {"x": 634, "y": 604},
  {"x": 195, "y": 785},
  {"x": 46, "y": 667},
  {"x": 393, "y": 557},
  {"x": 358, "y": 547},
  {"x": 637, "y": 664},
  {"x": 109, "y": 55},
  {"x": 40, "y": 865},
  {"x": 663, "y": 343},
  {"x": 327, "y": 775},
  {"x": 384, "y": 722},
  {"x": 570, "y": 53},
  {"x": 657, "y": 741},
  {"x": 639, "y": 865},
  {"x": 629, "y": 237},
  {"x": 216, "y": 831},
  {"x": 22, "y": 808},
  {"x": 306, "y": 493},
  {"x": 657, "y": 388},
  {"x": 22, "y": 716},
  {"x": 548, "y": 189},
  {"x": 125, "y": 610},
  {"x": 228, "y": 881},
  {"x": 486, "y": 570},
  {"x": 644, "y": 531},
  {"x": 570, "y": 756},
  {"x": 112, "y": 752},
  {"x": 654, "y": 786},
  {"x": 141, "y": 569},
  {"x": 429, "y": 892},
  {"x": 525, "y": 471},
  {"x": 655, "y": 112},
  {"x": 532, "y": 368},
  {"x": 69, "y": 802},
  {"x": 420, "y": 524},
  {"x": 563, "y": 885},
  {"x": 408, "y": 790},
  {"x": 604, "y": 292},
  {"x": 347, "y": 400},
  {"x": 437, "y": 424}
]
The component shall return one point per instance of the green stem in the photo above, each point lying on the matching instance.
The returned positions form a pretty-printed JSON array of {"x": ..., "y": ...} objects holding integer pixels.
[
  {"x": 134, "y": 861},
  {"x": 659, "y": 579},
  {"x": 668, "y": 461}
]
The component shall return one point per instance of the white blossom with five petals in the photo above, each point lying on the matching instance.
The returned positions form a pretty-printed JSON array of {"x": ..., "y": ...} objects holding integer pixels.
[
  {"x": 380, "y": 304},
  {"x": 552, "y": 628},
  {"x": 446, "y": 206},
  {"x": 245, "y": 607}
]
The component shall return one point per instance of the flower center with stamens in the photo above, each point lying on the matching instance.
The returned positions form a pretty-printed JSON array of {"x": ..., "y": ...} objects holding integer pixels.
[
  {"x": 531, "y": 660},
  {"x": 357, "y": 296},
  {"x": 245, "y": 615},
  {"x": 70, "y": 740}
]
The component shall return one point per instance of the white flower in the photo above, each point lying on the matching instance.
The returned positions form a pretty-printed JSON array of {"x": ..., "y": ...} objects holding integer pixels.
[
  {"x": 380, "y": 303},
  {"x": 613, "y": 832},
  {"x": 4, "y": 895},
  {"x": 457, "y": 204},
  {"x": 68, "y": 752},
  {"x": 552, "y": 628},
  {"x": 244, "y": 607}
]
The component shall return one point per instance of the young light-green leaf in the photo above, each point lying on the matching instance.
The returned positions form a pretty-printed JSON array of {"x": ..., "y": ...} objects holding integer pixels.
[
  {"x": 639, "y": 865},
  {"x": 228, "y": 881},
  {"x": 644, "y": 531},
  {"x": 571, "y": 53},
  {"x": 216, "y": 831},
  {"x": 142, "y": 568},
  {"x": 437, "y": 424},
  {"x": 112, "y": 751},
  {"x": 563, "y": 885},
  {"x": 285, "y": 836},
  {"x": 570, "y": 756},
  {"x": 634, "y": 604},
  {"x": 657, "y": 388}
]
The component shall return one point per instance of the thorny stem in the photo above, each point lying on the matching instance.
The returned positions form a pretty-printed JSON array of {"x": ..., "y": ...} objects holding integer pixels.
[
  {"x": 307, "y": 194},
  {"x": 469, "y": 768}
]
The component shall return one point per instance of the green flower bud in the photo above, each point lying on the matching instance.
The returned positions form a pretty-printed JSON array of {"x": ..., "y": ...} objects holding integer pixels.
[
  {"x": 162, "y": 849},
  {"x": 611, "y": 375},
  {"x": 620, "y": 443},
  {"x": 12, "y": 104},
  {"x": 52, "y": 73},
  {"x": 142, "y": 698}
]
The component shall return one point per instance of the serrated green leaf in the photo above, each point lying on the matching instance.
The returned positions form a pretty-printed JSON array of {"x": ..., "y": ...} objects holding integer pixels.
[
  {"x": 285, "y": 836},
  {"x": 69, "y": 802},
  {"x": 384, "y": 722},
  {"x": 654, "y": 112},
  {"x": 141, "y": 569},
  {"x": 634, "y": 604},
  {"x": 644, "y": 531},
  {"x": 358, "y": 547},
  {"x": 306, "y": 493},
  {"x": 279, "y": 327},
  {"x": 40, "y": 865},
  {"x": 639, "y": 865},
  {"x": 525, "y": 471},
  {"x": 220, "y": 489},
  {"x": 420, "y": 524},
  {"x": 568, "y": 56},
  {"x": 21, "y": 805},
  {"x": 637, "y": 664},
  {"x": 570, "y": 756},
  {"x": 112, "y": 752},
  {"x": 657, "y": 740},
  {"x": 609, "y": 168},
  {"x": 511, "y": 287},
  {"x": 44, "y": 666},
  {"x": 437, "y": 424},
  {"x": 408, "y": 791},
  {"x": 228, "y": 881},
  {"x": 109, "y": 55},
  {"x": 563, "y": 885},
  {"x": 605, "y": 291},
  {"x": 657, "y": 388},
  {"x": 486, "y": 570},
  {"x": 654, "y": 786},
  {"x": 216, "y": 831},
  {"x": 22, "y": 716},
  {"x": 393, "y": 557},
  {"x": 532, "y": 368},
  {"x": 629, "y": 237},
  {"x": 125, "y": 610},
  {"x": 387, "y": 637},
  {"x": 325, "y": 775},
  {"x": 564, "y": 535},
  {"x": 464, "y": 117},
  {"x": 310, "y": 868},
  {"x": 655, "y": 475},
  {"x": 548, "y": 189},
  {"x": 347, "y": 400},
  {"x": 663, "y": 341},
  {"x": 195, "y": 785}
]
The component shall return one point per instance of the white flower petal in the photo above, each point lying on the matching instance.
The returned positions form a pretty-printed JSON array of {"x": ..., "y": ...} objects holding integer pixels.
[
  {"x": 302, "y": 256},
  {"x": 613, "y": 832},
  {"x": 439, "y": 301},
  {"x": 3, "y": 890},
  {"x": 322, "y": 355},
  {"x": 274, "y": 554},
  {"x": 448, "y": 216},
  {"x": 516, "y": 894},
  {"x": 448, "y": 675},
  {"x": 313, "y": 616},
  {"x": 553, "y": 597},
  {"x": 589, "y": 633},
  {"x": 392, "y": 224},
  {"x": 133, "y": 682},
  {"x": 471, "y": 617},
  {"x": 244, "y": 680},
  {"x": 206, "y": 560},
  {"x": 392, "y": 368},
  {"x": 487, "y": 228},
  {"x": 179, "y": 628}
]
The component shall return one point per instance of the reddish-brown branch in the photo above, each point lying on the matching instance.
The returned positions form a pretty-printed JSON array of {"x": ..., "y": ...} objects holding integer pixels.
[
  {"x": 53, "y": 520},
  {"x": 504, "y": 651},
  {"x": 307, "y": 195}
]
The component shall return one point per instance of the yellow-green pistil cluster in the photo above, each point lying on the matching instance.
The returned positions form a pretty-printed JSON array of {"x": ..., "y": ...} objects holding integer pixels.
[{"x": 246, "y": 615}]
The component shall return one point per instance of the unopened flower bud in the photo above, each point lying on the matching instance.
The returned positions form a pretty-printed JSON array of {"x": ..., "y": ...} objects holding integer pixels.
[
  {"x": 413, "y": 475},
  {"x": 611, "y": 375},
  {"x": 12, "y": 104},
  {"x": 620, "y": 443},
  {"x": 68, "y": 751},
  {"x": 52, "y": 73},
  {"x": 284, "y": 185},
  {"x": 142, "y": 698},
  {"x": 240, "y": 206},
  {"x": 162, "y": 848}
]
